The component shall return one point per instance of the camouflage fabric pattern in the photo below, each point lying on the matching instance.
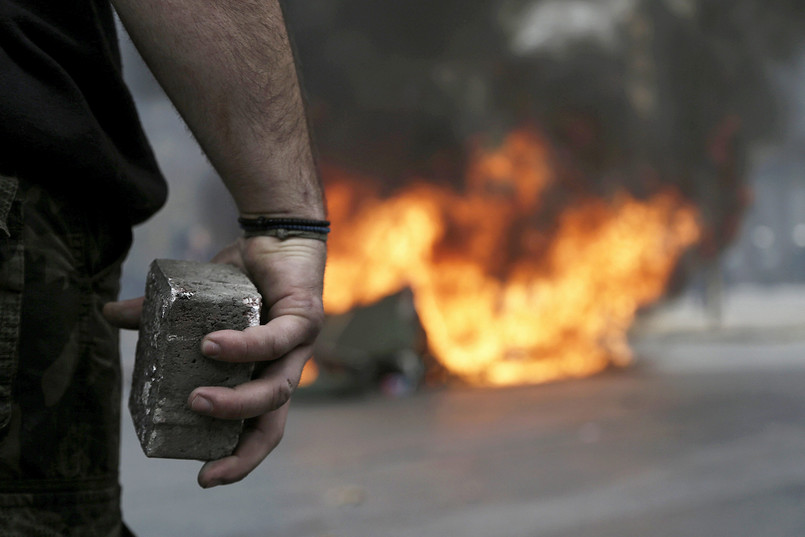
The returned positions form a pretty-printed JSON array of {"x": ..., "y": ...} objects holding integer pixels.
[{"x": 59, "y": 366}]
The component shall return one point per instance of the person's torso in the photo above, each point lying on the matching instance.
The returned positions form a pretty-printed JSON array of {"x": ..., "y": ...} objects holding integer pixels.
[{"x": 67, "y": 119}]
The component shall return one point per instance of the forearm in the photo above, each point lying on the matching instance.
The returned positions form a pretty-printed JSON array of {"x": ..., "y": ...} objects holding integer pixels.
[{"x": 228, "y": 67}]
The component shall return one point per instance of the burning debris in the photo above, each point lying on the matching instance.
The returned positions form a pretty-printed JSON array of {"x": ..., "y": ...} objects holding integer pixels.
[
  {"x": 381, "y": 345},
  {"x": 533, "y": 170},
  {"x": 504, "y": 298}
]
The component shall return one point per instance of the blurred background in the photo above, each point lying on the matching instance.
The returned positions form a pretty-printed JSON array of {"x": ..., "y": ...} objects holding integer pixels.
[{"x": 566, "y": 283}]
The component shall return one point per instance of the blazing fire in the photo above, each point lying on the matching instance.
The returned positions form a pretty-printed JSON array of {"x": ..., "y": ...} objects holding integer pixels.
[{"x": 503, "y": 299}]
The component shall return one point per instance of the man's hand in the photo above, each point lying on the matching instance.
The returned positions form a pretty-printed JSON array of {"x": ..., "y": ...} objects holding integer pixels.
[{"x": 289, "y": 275}]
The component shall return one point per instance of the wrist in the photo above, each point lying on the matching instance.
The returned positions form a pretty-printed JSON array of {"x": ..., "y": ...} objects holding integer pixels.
[
  {"x": 297, "y": 197},
  {"x": 274, "y": 195}
]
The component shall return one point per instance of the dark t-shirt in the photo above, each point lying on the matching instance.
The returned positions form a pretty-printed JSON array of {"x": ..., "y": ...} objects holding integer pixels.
[{"x": 67, "y": 120}]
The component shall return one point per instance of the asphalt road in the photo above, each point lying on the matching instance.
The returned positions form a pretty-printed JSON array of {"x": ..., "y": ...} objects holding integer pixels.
[{"x": 697, "y": 438}]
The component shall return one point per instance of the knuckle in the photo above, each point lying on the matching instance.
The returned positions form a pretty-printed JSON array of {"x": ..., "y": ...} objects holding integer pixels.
[
  {"x": 312, "y": 324},
  {"x": 248, "y": 344},
  {"x": 239, "y": 410},
  {"x": 278, "y": 346},
  {"x": 243, "y": 346},
  {"x": 282, "y": 394},
  {"x": 269, "y": 439},
  {"x": 317, "y": 321}
]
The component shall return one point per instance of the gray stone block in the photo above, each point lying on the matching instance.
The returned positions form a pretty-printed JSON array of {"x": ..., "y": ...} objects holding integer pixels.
[{"x": 184, "y": 301}]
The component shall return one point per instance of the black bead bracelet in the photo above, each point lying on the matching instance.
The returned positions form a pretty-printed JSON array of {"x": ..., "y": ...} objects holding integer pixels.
[{"x": 285, "y": 228}]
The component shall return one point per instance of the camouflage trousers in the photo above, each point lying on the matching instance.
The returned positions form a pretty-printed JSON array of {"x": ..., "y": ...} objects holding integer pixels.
[{"x": 60, "y": 379}]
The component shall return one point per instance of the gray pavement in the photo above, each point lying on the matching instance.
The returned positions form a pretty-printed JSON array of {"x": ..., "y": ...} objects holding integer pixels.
[{"x": 697, "y": 438}]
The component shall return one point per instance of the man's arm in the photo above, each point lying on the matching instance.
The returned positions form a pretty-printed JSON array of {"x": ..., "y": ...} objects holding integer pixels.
[{"x": 228, "y": 67}]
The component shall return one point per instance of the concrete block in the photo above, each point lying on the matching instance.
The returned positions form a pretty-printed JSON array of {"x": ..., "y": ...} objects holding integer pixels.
[{"x": 184, "y": 301}]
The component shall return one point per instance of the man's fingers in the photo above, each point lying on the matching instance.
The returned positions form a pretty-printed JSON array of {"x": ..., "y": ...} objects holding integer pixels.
[
  {"x": 259, "y": 343},
  {"x": 124, "y": 313},
  {"x": 288, "y": 275},
  {"x": 270, "y": 391},
  {"x": 259, "y": 439},
  {"x": 245, "y": 401}
]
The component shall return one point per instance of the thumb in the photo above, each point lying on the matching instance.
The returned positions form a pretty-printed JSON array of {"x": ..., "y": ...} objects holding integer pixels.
[{"x": 124, "y": 313}]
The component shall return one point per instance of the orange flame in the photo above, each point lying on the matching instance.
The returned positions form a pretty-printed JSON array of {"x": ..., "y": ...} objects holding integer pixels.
[{"x": 560, "y": 306}]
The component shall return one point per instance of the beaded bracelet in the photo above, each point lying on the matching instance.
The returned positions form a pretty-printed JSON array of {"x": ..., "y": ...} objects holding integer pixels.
[{"x": 285, "y": 228}]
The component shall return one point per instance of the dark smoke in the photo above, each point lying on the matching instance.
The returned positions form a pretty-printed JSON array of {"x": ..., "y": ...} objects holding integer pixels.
[{"x": 631, "y": 94}]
